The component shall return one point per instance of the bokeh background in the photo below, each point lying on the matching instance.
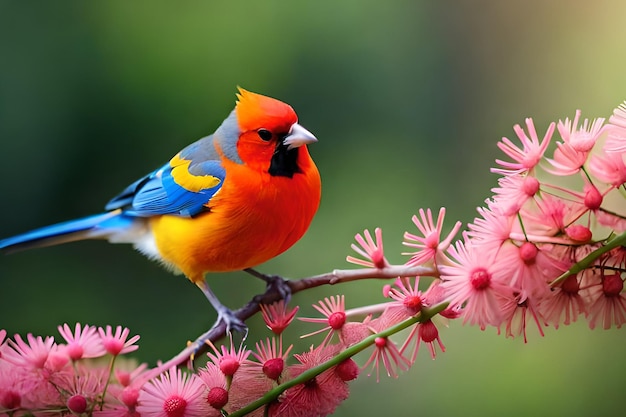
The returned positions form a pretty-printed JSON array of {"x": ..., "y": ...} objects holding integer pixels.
[{"x": 408, "y": 99}]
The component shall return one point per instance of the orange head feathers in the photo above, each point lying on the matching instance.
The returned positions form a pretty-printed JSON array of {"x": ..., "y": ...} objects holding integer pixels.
[
  {"x": 269, "y": 134},
  {"x": 255, "y": 111}
]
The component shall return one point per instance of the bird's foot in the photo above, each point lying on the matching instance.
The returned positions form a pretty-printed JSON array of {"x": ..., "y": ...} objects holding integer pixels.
[
  {"x": 274, "y": 284},
  {"x": 231, "y": 321}
]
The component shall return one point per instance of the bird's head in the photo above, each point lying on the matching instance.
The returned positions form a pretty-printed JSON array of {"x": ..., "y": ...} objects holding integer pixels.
[{"x": 269, "y": 134}]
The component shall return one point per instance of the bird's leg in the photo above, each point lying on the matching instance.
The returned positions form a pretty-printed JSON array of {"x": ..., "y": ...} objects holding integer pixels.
[
  {"x": 224, "y": 314},
  {"x": 274, "y": 283}
]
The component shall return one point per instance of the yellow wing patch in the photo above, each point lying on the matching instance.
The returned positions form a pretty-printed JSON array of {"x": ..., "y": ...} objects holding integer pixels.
[{"x": 190, "y": 182}]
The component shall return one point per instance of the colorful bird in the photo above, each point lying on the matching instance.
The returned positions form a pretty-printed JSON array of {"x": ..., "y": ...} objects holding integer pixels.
[{"x": 228, "y": 202}]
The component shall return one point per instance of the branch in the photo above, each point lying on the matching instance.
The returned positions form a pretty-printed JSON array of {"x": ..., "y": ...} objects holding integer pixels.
[{"x": 338, "y": 276}]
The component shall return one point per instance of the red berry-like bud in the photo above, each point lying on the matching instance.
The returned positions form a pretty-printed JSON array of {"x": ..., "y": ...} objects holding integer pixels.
[
  {"x": 77, "y": 404},
  {"x": 612, "y": 285},
  {"x": 528, "y": 253},
  {"x": 229, "y": 366},
  {"x": 530, "y": 186},
  {"x": 570, "y": 285},
  {"x": 593, "y": 198},
  {"x": 273, "y": 368},
  {"x": 347, "y": 370},
  {"x": 337, "y": 320},
  {"x": 428, "y": 331},
  {"x": 217, "y": 397},
  {"x": 578, "y": 233},
  {"x": 380, "y": 342}
]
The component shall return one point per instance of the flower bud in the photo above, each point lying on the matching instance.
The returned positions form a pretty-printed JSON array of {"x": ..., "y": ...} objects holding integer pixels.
[
  {"x": 217, "y": 397},
  {"x": 578, "y": 233},
  {"x": 273, "y": 368},
  {"x": 347, "y": 370},
  {"x": 77, "y": 404}
]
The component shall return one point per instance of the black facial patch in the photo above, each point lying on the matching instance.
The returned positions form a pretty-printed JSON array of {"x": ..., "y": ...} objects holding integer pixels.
[{"x": 284, "y": 161}]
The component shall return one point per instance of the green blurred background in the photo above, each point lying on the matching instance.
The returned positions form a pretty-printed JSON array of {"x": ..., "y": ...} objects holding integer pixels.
[{"x": 408, "y": 99}]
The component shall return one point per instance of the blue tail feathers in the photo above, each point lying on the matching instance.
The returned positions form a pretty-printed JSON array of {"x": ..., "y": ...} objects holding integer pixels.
[{"x": 98, "y": 226}]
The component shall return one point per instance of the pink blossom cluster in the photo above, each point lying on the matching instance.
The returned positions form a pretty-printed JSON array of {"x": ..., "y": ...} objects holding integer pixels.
[
  {"x": 86, "y": 376},
  {"x": 546, "y": 248}
]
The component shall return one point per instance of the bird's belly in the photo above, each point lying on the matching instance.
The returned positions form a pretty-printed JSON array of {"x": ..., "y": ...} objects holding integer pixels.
[{"x": 233, "y": 236}]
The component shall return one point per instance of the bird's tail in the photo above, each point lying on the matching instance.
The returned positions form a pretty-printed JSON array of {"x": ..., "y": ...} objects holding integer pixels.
[{"x": 99, "y": 226}]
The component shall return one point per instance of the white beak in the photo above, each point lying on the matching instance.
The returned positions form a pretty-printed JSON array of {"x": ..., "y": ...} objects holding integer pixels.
[{"x": 298, "y": 136}]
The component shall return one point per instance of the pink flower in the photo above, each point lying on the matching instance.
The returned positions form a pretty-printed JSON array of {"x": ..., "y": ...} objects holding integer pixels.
[
  {"x": 616, "y": 141},
  {"x": 473, "y": 278},
  {"x": 386, "y": 353},
  {"x": 33, "y": 354},
  {"x": 216, "y": 388},
  {"x": 255, "y": 379},
  {"x": 425, "y": 332},
  {"x": 608, "y": 302},
  {"x": 271, "y": 357},
  {"x": 406, "y": 296},
  {"x": 564, "y": 304},
  {"x": 319, "y": 396},
  {"x": 529, "y": 268},
  {"x": 173, "y": 394},
  {"x": 609, "y": 168},
  {"x": 527, "y": 157},
  {"x": 277, "y": 316},
  {"x": 120, "y": 402},
  {"x": 517, "y": 313},
  {"x": 83, "y": 343},
  {"x": 35, "y": 364},
  {"x": 82, "y": 388},
  {"x": 116, "y": 344},
  {"x": 571, "y": 154},
  {"x": 370, "y": 250},
  {"x": 129, "y": 373},
  {"x": 428, "y": 244},
  {"x": 228, "y": 359},
  {"x": 492, "y": 228},
  {"x": 513, "y": 192},
  {"x": 548, "y": 219},
  {"x": 334, "y": 312}
]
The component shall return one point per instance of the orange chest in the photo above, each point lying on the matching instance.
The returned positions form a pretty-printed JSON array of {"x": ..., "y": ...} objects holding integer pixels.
[{"x": 252, "y": 219}]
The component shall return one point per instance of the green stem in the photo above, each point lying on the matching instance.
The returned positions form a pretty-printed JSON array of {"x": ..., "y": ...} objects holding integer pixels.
[
  {"x": 106, "y": 385},
  {"x": 425, "y": 315},
  {"x": 589, "y": 259}
]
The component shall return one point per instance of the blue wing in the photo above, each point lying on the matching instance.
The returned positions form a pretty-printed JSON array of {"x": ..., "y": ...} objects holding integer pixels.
[{"x": 181, "y": 187}]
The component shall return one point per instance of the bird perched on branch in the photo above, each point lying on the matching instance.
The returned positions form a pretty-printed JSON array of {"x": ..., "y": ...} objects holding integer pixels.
[{"x": 228, "y": 202}]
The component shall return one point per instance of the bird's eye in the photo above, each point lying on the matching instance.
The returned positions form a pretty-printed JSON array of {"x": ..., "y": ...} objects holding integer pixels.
[{"x": 264, "y": 134}]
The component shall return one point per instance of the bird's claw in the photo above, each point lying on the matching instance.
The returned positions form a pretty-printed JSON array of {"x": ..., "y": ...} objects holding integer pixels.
[
  {"x": 274, "y": 284},
  {"x": 280, "y": 285},
  {"x": 231, "y": 321}
]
